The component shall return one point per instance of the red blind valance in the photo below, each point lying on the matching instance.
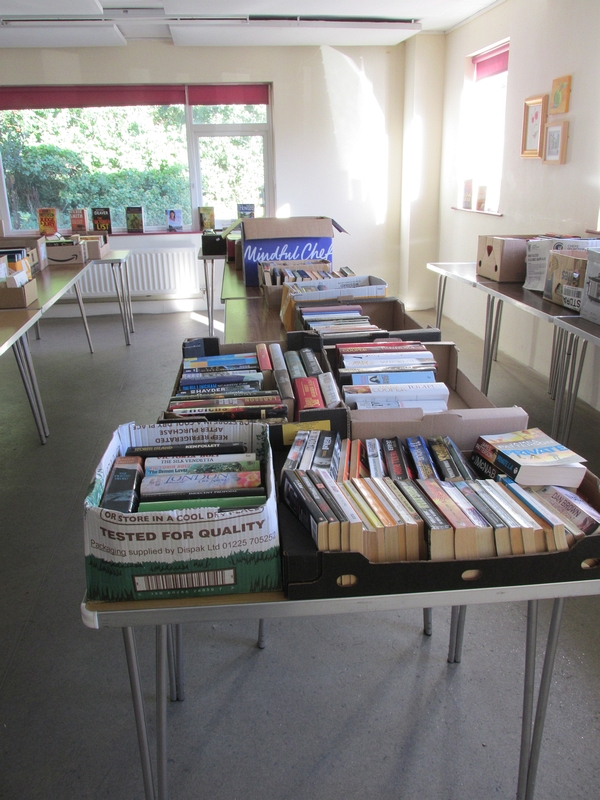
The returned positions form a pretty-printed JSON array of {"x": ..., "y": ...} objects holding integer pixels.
[
  {"x": 492, "y": 62},
  {"x": 22, "y": 97}
]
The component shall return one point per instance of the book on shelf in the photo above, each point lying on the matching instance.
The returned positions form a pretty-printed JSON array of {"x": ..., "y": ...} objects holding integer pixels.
[
  {"x": 421, "y": 457},
  {"x": 337, "y": 540},
  {"x": 307, "y": 394},
  {"x": 134, "y": 219},
  {"x": 294, "y": 364},
  {"x": 502, "y": 539},
  {"x": 443, "y": 459},
  {"x": 310, "y": 448},
  {"x": 101, "y": 220},
  {"x": 245, "y": 210},
  {"x": 174, "y": 220},
  {"x": 359, "y": 464},
  {"x": 207, "y": 218},
  {"x": 310, "y": 362},
  {"x": 79, "y": 220},
  {"x": 297, "y": 498},
  {"x": 552, "y": 525},
  {"x": 484, "y": 489},
  {"x": 158, "y": 465},
  {"x": 534, "y": 538},
  {"x": 391, "y": 449},
  {"x": 196, "y": 482},
  {"x": 327, "y": 454},
  {"x": 334, "y": 535},
  {"x": 47, "y": 221},
  {"x": 392, "y": 531},
  {"x": 295, "y": 452},
  {"x": 221, "y": 503},
  {"x": 375, "y": 458},
  {"x": 329, "y": 390},
  {"x": 122, "y": 486},
  {"x": 531, "y": 458},
  {"x": 355, "y": 525},
  {"x": 196, "y": 448}
]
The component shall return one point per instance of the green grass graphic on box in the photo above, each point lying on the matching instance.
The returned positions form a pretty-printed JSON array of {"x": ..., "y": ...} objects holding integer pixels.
[{"x": 254, "y": 572}]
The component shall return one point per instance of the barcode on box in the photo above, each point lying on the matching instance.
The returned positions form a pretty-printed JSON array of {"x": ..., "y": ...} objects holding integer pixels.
[
  {"x": 572, "y": 297},
  {"x": 185, "y": 580}
]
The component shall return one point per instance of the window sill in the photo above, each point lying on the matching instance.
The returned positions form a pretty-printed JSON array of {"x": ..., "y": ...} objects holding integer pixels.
[{"x": 473, "y": 211}]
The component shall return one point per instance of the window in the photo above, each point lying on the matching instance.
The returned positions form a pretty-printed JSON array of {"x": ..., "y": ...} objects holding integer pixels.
[
  {"x": 481, "y": 130},
  {"x": 155, "y": 147}
]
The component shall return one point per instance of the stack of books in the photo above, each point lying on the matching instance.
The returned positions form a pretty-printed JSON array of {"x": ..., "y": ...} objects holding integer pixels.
[
  {"x": 338, "y": 321},
  {"x": 166, "y": 477},
  {"x": 265, "y": 384},
  {"x": 277, "y": 273},
  {"x": 390, "y": 374},
  {"x": 395, "y": 500}
]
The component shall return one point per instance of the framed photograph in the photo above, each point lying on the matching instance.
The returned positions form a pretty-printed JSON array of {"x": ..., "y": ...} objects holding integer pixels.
[
  {"x": 555, "y": 142},
  {"x": 561, "y": 92},
  {"x": 534, "y": 119}
]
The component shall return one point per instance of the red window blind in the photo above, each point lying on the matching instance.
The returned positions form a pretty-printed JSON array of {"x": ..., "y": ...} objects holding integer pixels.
[
  {"x": 22, "y": 97},
  {"x": 492, "y": 62}
]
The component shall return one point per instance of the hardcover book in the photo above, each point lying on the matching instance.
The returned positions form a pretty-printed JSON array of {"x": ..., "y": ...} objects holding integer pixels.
[
  {"x": 207, "y": 218},
  {"x": 101, "y": 221},
  {"x": 47, "y": 221},
  {"x": 134, "y": 219},
  {"x": 245, "y": 210}
]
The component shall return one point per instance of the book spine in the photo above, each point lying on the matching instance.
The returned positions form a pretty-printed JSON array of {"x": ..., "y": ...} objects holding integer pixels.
[
  {"x": 310, "y": 362},
  {"x": 329, "y": 389},
  {"x": 483, "y": 467},
  {"x": 309, "y": 450},
  {"x": 277, "y": 358},
  {"x": 199, "y": 482},
  {"x": 420, "y": 455},
  {"x": 263, "y": 358},
  {"x": 199, "y": 467},
  {"x": 391, "y": 448},
  {"x": 324, "y": 452},
  {"x": 295, "y": 452},
  {"x": 283, "y": 383},
  {"x": 221, "y": 503},
  {"x": 316, "y": 496},
  {"x": 200, "y": 448},
  {"x": 308, "y": 394},
  {"x": 121, "y": 492},
  {"x": 493, "y": 456},
  {"x": 294, "y": 365},
  {"x": 461, "y": 462},
  {"x": 572, "y": 507},
  {"x": 374, "y": 457},
  {"x": 443, "y": 459},
  {"x": 302, "y": 505}
]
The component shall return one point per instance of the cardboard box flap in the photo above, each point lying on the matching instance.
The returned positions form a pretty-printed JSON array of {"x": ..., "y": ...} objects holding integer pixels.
[{"x": 287, "y": 228}]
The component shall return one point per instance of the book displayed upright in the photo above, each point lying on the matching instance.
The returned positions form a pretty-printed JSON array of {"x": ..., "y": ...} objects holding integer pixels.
[
  {"x": 134, "y": 219},
  {"x": 79, "y": 220},
  {"x": 206, "y": 216},
  {"x": 174, "y": 218},
  {"x": 47, "y": 221},
  {"x": 101, "y": 221}
]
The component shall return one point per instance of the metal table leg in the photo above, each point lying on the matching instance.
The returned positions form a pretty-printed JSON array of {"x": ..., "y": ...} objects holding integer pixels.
[
  {"x": 453, "y": 629},
  {"x": 574, "y": 382},
  {"x": 179, "y": 668},
  {"x": 25, "y": 365},
  {"x": 83, "y": 316},
  {"x": 209, "y": 280},
  {"x": 261, "y": 634},
  {"x": 128, "y": 303},
  {"x": 460, "y": 633},
  {"x": 161, "y": 713},
  {"x": 528, "y": 691},
  {"x": 439, "y": 306},
  {"x": 427, "y": 621},
  {"x": 139, "y": 711},
  {"x": 120, "y": 291}
]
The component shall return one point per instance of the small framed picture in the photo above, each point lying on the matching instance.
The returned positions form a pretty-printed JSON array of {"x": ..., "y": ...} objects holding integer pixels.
[
  {"x": 561, "y": 92},
  {"x": 555, "y": 142},
  {"x": 534, "y": 119}
]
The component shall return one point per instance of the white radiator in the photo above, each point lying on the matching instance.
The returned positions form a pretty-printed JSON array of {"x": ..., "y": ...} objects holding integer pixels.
[{"x": 171, "y": 273}]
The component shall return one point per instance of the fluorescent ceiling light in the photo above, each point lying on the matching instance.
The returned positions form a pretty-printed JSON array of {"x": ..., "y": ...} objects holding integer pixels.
[
  {"x": 50, "y": 8},
  {"x": 61, "y": 35},
  {"x": 286, "y": 33}
]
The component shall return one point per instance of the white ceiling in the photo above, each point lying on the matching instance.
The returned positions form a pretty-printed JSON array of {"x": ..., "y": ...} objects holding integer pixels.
[{"x": 104, "y": 23}]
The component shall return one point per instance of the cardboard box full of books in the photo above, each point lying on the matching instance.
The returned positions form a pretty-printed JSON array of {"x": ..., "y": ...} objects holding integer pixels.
[
  {"x": 310, "y": 574},
  {"x": 35, "y": 246},
  {"x": 470, "y": 413},
  {"x": 282, "y": 434},
  {"x": 503, "y": 258},
  {"x": 186, "y": 552},
  {"x": 67, "y": 251},
  {"x": 273, "y": 293},
  {"x": 281, "y": 239},
  {"x": 565, "y": 277}
]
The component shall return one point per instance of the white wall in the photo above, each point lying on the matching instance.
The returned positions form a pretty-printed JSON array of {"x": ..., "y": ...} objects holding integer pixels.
[
  {"x": 548, "y": 39},
  {"x": 337, "y": 123}
]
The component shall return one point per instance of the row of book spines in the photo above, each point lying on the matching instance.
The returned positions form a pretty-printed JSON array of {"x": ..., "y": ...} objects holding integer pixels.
[{"x": 445, "y": 532}]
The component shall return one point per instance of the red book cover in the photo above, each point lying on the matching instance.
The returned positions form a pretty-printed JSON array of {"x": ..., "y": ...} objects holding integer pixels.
[
  {"x": 308, "y": 394},
  {"x": 262, "y": 355}
]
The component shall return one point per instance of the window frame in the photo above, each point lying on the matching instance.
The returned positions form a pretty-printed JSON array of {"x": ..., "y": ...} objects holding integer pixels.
[{"x": 188, "y": 96}]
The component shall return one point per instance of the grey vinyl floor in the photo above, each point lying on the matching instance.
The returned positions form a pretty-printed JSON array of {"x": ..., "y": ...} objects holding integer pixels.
[{"x": 349, "y": 706}]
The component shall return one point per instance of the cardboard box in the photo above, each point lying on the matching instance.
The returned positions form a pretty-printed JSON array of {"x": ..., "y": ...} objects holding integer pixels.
[
  {"x": 128, "y": 556},
  {"x": 590, "y": 301},
  {"x": 282, "y": 435},
  {"x": 65, "y": 254},
  {"x": 565, "y": 277},
  {"x": 274, "y": 294},
  {"x": 470, "y": 413},
  {"x": 538, "y": 251},
  {"x": 503, "y": 258},
  {"x": 309, "y": 574},
  {"x": 19, "y": 297},
  {"x": 35, "y": 245},
  {"x": 232, "y": 239},
  {"x": 214, "y": 243},
  {"x": 97, "y": 246},
  {"x": 291, "y": 239},
  {"x": 239, "y": 257}
]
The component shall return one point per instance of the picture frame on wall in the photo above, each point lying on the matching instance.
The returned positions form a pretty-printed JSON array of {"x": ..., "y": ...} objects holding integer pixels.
[
  {"x": 556, "y": 135},
  {"x": 535, "y": 111},
  {"x": 561, "y": 93}
]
